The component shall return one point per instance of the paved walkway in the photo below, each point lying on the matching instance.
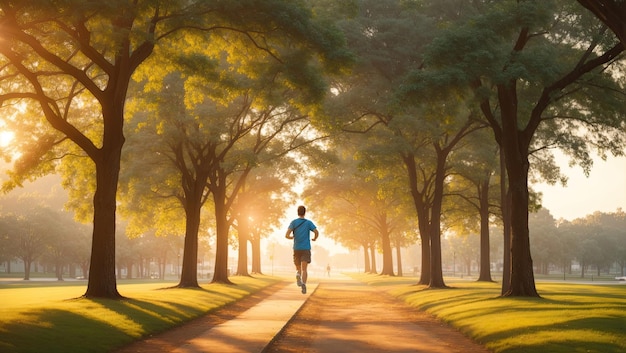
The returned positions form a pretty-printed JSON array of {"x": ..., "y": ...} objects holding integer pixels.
[
  {"x": 345, "y": 315},
  {"x": 251, "y": 331},
  {"x": 337, "y": 315},
  {"x": 232, "y": 329}
]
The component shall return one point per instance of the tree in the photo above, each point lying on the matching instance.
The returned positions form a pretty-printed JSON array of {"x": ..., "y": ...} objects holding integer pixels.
[
  {"x": 476, "y": 165},
  {"x": 61, "y": 232},
  {"x": 600, "y": 239},
  {"x": 361, "y": 203},
  {"x": 81, "y": 62},
  {"x": 7, "y": 245},
  {"x": 610, "y": 12},
  {"x": 614, "y": 224},
  {"x": 63, "y": 56},
  {"x": 212, "y": 148},
  {"x": 34, "y": 230},
  {"x": 465, "y": 249},
  {"x": 534, "y": 82},
  {"x": 544, "y": 240},
  {"x": 257, "y": 209}
]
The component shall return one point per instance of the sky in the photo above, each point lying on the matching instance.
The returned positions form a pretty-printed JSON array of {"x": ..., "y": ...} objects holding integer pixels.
[{"x": 604, "y": 190}]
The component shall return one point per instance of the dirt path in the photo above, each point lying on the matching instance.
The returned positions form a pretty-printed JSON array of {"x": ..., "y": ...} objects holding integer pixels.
[{"x": 348, "y": 316}]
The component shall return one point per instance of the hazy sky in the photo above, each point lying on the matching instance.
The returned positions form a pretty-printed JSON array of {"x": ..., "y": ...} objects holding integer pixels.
[{"x": 604, "y": 190}]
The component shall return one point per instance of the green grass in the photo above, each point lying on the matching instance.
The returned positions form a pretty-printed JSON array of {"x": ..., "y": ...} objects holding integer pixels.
[
  {"x": 568, "y": 318},
  {"x": 52, "y": 317}
]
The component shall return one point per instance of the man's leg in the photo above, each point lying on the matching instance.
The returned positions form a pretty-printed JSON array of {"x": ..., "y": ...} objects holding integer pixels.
[
  {"x": 297, "y": 262},
  {"x": 303, "y": 266}
]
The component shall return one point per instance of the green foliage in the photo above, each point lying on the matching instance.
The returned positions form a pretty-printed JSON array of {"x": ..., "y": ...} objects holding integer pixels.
[
  {"x": 484, "y": 50},
  {"x": 361, "y": 206},
  {"x": 387, "y": 38},
  {"x": 281, "y": 31}
]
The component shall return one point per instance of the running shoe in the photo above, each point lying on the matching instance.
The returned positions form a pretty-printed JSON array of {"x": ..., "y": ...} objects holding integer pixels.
[
  {"x": 303, "y": 288},
  {"x": 298, "y": 280}
]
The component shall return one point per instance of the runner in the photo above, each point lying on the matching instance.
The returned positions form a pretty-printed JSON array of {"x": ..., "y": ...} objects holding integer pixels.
[{"x": 299, "y": 230}]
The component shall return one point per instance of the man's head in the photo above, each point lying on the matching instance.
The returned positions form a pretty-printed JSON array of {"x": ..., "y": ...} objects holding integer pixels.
[{"x": 301, "y": 210}]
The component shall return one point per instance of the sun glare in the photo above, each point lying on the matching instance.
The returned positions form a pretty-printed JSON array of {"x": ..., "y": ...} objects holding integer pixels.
[{"x": 6, "y": 137}]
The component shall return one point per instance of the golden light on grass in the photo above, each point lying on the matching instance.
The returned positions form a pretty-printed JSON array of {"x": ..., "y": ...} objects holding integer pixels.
[
  {"x": 568, "y": 318},
  {"x": 36, "y": 317}
]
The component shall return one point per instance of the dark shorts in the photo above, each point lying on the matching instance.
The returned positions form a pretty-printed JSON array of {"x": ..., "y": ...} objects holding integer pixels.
[{"x": 300, "y": 256}]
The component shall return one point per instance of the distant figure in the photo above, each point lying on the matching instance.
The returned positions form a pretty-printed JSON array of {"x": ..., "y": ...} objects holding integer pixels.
[
  {"x": 301, "y": 228},
  {"x": 328, "y": 270}
]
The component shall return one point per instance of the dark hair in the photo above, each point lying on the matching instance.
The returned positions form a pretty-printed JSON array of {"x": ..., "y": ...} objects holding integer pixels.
[{"x": 301, "y": 210}]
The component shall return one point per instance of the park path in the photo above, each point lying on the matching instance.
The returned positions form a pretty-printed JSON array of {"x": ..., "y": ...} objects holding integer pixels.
[
  {"x": 344, "y": 315},
  {"x": 337, "y": 314}
]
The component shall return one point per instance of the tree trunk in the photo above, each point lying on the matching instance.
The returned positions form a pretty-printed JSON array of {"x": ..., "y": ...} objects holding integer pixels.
[
  {"x": 141, "y": 267},
  {"x": 366, "y": 258},
  {"x": 221, "y": 243},
  {"x": 505, "y": 201},
  {"x": 422, "y": 210},
  {"x": 485, "y": 258},
  {"x": 102, "y": 280},
  {"x": 387, "y": 254},
  {"x": 399, "y": 260},
  {"x": 161, "y": 264},
  {"x": 373, "y": 258},
  {"x": 436, "y": 268},
  {"x": 27, "y": 264},
  {"x": 242, "y": 262},
  {"x": 189, "y": 272},
  {"x": 129, "y": 269},
  {"x": 59, "y": 270},
  {"x": 582, "y": 269},
  {"x": 425, "y": 271},
  {"x": 255, "y": 243},
  {"x": 522, "y": 281},
  {"x": 522, "y": 278},
  {"x": 515, "y": 144}
]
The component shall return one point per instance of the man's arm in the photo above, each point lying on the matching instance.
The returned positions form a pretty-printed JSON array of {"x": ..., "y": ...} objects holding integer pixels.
[
  {"x": 287, "y": 235},
  {"x": 317, "y": 234}
]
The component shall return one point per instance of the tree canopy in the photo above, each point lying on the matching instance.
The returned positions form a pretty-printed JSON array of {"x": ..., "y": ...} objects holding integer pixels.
[{"x": 199, "y": 112}]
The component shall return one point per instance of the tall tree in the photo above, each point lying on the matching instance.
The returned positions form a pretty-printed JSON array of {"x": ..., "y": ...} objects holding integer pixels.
[
  {"x": 387, "y": 37},
  {"x": 477, "y": 166},
  {"x": 535, "y": 81},
  {"x": 59, "y": 55}
]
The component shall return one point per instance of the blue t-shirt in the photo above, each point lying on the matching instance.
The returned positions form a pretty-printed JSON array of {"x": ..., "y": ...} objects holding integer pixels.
[{"x": 301, "y": 228}]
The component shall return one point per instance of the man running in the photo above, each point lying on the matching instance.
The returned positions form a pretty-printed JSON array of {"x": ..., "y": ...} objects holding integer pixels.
[{"x": 301, "y": 228}]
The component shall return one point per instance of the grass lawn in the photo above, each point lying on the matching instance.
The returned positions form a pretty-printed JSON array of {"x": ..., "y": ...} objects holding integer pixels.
[
  {"x": 568, "y": 318},
  {"x": 51, "y": 317}
]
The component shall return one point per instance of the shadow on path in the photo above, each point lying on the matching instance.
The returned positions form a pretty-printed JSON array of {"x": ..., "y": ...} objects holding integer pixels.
[{"x": 348, "y": 316}]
